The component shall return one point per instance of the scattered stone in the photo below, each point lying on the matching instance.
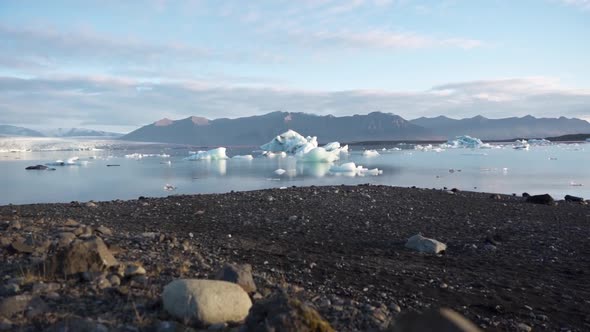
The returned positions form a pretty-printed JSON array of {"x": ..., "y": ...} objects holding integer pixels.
[
  {"x": 115, "y": 280},
  {"x": 9, "y": 289},
  {"x": 90, "y": 255},
  {"x": 104, "y": 230},
  {"x": 14, "y": 225},
  {"x": 524, "y": 327},
  {"x": 71, "y": 324},
  {"x": 41, "y": 287},
  {"x": 541, "y": 199},
  {"x": 569, "y": 198},
  {"x": 71, "y": 223},
  {"x": 238, "y": 274},
  {"x": 91, "y": 204},
  {"x": 496, "y": 197},
  {"x": 426, "y": 245},
  {"x": 65, "y": 239},
  {"x": 208, "y": 302},
  {"x": 31, "y": 306},
  {"x": 442, "y": 320},
  {"x": 139, "y": 281},
  {"x": 282, "y": 313},
  {"x": 525, "y": 195},
  {"x": 134, "y": 270},
  {"x": 22, "y": 247}
]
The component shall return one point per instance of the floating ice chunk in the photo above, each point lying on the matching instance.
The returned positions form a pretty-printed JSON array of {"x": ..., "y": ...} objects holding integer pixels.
[
  {"x": 143, "y": 155},
  {"x": 574, "y": 184},
  {"x": 70, "y": 162},
  {"x": 394, "y": 149},
  {"x": 466, "y": 141},
  {"x": 332, "y": 146},
  {"x": 169, "y": 187},
  {"x": 243, "y": 157},
  {"x": 351, "y": 169},
  {"x": 370, "y": 153},
  {"x": 214, "y": 154},
  {"x": 280, "y": 171},
  {"x": 521, "y": 145}
]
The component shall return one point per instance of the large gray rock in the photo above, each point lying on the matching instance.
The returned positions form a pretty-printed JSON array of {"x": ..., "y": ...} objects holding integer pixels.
[
  {"x": 207, "y": 302},
  {"x": 238, "y": 274},
  {"x": 426, "y": 245},
  {"x": 28, "y": 304},
  {"x": 442, "y": 320},
  {"x": 90, "y": 255}
]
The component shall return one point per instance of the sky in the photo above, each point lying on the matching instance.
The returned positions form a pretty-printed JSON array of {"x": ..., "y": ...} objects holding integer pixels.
[{"x": 117, "y": 65}]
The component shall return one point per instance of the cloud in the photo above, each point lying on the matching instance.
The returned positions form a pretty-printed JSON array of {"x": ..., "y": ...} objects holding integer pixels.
[
  {"x": 383, "y": 39},
  {"x": 583, "y": 4},
  {"x": 108, "y": 102}
]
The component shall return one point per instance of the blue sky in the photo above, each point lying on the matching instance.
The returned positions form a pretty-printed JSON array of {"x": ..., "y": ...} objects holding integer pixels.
[{"x": 117, "y": 65}]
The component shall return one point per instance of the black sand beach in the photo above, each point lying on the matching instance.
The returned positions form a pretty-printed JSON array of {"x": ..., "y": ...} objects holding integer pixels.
[{"x": 509, "y": 264}]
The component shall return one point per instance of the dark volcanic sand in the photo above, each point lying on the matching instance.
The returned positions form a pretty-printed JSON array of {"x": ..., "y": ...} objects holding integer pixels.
[{"x": 344, "y": 246}]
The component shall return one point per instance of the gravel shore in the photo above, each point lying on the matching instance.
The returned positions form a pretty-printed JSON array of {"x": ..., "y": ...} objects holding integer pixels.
[{"x": 508, "y": 265}]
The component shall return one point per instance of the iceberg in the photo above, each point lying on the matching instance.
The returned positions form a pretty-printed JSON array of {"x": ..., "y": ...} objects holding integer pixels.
[
  {"x": 280, "y": 171},
  {"x": 303, "y": 148},
  {"x": 351, "y": 169},
  {"x": 466, "y": 141},
  {"x": 291, "y": 142},
  {"x": 215, "y": 154},
  {"x": 370, "y": 153},
  {"x": 521, "y": 145}
]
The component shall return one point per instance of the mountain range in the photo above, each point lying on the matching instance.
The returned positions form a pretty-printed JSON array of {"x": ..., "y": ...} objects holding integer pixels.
[
  {"x": 376, "y": 126},
  {"x": 7, "y": 130}
]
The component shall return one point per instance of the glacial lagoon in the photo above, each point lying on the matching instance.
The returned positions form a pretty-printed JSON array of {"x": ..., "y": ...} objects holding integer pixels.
[{"x": 108, "y": 170}]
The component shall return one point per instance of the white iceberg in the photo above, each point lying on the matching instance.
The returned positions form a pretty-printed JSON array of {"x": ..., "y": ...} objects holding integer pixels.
[
  {"x": 521, "y": 145},
  {"x": 169, "y": 187},
  {"x": 370, "y": 153},
  {"x": 351, "y": 169},
  {"x": 291, "y": 142},
  {"x": 466, "y": 141},
  {"x": 304, "y": 148},
  {"x": 243, "y": 157},
  {"x": 280, "y": 171},
  {"x": 214, "y": 154}
]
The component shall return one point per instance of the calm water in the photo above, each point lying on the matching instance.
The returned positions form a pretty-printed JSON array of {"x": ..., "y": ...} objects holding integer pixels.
[{"x": 557, "y": 169}]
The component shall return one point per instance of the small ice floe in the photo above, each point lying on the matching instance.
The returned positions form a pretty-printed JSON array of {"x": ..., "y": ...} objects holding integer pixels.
[
  {"x": 466, "y": 141},
  {"x": 280, "y": 171},
  {"x": 552, "y": 158},
  {"x": 521, "y": 145},
  {"x": 146, "y": 155},
  {"x": 243, "y": 157},
  {"x": 169, "y": 187},
  {"x": 168, "y": 162},
  {"x": 394, "y": 149},
  {"x": 370, "y": 153},
  {"x": 74, "y": 161},
  {"x": 351, "y": 169},
  {"x": 271, "y": 155},
  {"x": 214, "y": 154},
  {"x": 575, "y": 184}
]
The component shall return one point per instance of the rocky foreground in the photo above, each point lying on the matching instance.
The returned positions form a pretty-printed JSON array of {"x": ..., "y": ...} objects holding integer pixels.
[{"x": 298, "y": 259}]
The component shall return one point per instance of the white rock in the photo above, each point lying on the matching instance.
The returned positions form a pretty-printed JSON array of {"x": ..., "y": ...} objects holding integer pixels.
[
  {"x": 208, "y": 301},
  {"x": 424, "y": 244}
]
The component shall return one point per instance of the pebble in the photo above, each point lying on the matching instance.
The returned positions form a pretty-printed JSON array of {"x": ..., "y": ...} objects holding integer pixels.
[
  {"x": 524, "y": 327},
  {"x": 134, "y": 270}
]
